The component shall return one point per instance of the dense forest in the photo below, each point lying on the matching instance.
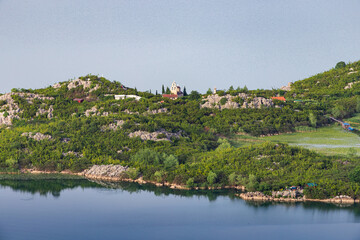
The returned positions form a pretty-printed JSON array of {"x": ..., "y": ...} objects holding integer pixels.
[{"x": 180, "y": 141}]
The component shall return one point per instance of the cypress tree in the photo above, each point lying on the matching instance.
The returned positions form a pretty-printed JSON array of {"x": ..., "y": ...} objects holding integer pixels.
[
  {"x": 185, "y": 93},
  {"x": 163, "y": 89}
]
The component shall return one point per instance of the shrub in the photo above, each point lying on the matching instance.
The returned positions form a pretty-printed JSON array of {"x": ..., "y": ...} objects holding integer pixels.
[
  {"x": 133, "y": 173},
  {"x": 190, "y": 183},
  {"x": 340, "y": 65},
  {"x": 355, "y": 175},
  {"x": 211, "y": 178},
  {"x": 223, "y": 101}
]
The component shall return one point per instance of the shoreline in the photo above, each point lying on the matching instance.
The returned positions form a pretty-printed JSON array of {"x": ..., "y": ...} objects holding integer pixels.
[
  {"x": 121, "y": 179},
  {"x": 258, "y": 196},
  {"x": 248, "y": 196}
]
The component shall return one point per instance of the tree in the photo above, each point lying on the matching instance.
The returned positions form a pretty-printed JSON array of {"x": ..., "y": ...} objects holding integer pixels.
[
  {"x": 146, "y": 157},
  {"x": 170, "y": 162},
  {"x": 133, "y": 173},
  {"x": 355, "y": 175},
  {"x": 167, "y": 90},
  {"x": 194, "y": 95},
  {"x": 190, "y": 182},
  {"x": 312, "y": 119},
  {"x": 159, "y": 176},
  {"x": 156, "y": 93},
  {"x": 357, "y": 108},
  {"x": 223, "y": 101},
  {"x": 253, "y": 183},
  {"x": 211, "y": 178},
  {"x": 224, "y": 144},
  {"x": 231, "y": 88},
  {"x": 340, "y": 65},
  {"x": 185, "y": 93},
  {"x": 163, "y": 89},
  {"x": 245, "y": 89},
  {"x": 338, "y": 111},
  {"x": 209, "y": 91},
  {"x": 233, "y": 178}
]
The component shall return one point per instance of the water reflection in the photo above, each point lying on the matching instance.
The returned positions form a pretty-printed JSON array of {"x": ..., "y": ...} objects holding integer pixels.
[
  {"x": 47, "y": 187},
  {"x": 54, "y": 187}
]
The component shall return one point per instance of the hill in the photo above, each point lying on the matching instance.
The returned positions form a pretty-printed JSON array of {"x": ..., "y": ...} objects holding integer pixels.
[{"x": 79, "y": 123}]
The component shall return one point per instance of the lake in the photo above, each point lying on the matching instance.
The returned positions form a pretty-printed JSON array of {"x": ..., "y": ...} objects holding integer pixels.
[{"x": 80, "y": 209}]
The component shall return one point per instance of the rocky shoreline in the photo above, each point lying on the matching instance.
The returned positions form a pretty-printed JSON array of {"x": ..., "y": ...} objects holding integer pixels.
[
  {"x": 259, "y": 196},
  {"x": 118, "y": 173}
]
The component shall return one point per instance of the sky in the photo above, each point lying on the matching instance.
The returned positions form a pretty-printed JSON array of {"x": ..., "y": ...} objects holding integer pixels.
[{"x": 199, "y": 44}]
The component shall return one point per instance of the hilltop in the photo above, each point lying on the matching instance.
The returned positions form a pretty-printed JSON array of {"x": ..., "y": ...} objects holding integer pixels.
[{"x": 75, "y": 124}]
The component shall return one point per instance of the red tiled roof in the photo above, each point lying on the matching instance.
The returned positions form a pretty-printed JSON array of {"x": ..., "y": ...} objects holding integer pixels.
[
  {"x": 279, "y": 98},
  {"x": 170, "y": 95}
]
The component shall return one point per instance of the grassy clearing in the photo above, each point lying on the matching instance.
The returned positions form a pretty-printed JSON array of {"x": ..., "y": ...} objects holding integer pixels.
[{"x": 331, "y": 140}]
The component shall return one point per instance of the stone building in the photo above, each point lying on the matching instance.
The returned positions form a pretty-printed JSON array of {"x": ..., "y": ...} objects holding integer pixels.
[{"x": 175, "y": 92}]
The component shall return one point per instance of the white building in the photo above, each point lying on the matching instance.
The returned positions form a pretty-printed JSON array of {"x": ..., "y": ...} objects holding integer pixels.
[{"x": 119, "y": 97}]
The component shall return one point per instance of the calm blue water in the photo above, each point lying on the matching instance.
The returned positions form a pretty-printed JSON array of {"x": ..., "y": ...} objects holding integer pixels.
[{"x": 130, "y": 211}]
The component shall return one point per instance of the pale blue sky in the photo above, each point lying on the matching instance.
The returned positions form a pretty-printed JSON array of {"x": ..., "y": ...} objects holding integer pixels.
[{"x": 199, "y": 44}]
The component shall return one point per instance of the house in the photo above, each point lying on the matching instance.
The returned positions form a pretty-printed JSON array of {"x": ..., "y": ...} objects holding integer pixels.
[
  {"x": 279, "y": 98},
  {"x": 79, "y": 100},
  {"x": 175, "y": 92},
  {"x": 347, "y": 126},
  {"x": 311, "y": 184},
  {"x": 119, "y": 97},
  {"x": 170, "y": 96}
]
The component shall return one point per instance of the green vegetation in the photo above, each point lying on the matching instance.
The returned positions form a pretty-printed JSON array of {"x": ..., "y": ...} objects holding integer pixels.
[
  {"x": 331, "y": 140},
  {"x": 203, "y": 151}
]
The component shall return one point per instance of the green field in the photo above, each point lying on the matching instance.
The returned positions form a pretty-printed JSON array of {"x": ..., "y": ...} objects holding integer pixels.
[{"x": 330, "y": 140}]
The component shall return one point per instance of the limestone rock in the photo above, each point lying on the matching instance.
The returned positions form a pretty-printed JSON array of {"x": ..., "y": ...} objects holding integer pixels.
[
  {"x": 11, "y": 110},
  {"x": 156, "y": 111},
  {"x": 106, "y": 171},
  {"x": 76, "y": 154},
  {"x": 154, "y": 136},
  {"x": 350, "y": 85},
  {"x": 36, "y": 136},
  {"x": 213, "y": 101},
  {"x": 113, "y": 126},
  {"x": 287, "y": 88}
]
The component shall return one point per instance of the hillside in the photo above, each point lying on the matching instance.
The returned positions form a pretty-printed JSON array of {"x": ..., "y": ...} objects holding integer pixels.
[{"x": 79, "y": 123}]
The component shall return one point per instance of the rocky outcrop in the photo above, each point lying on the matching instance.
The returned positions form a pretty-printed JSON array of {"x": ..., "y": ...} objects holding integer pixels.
[
  {"x": 294, "y": 196},
  {"x": 107, "y": 171},
  {"x": 49, "y": 112},
  {"x": 351, "y": 71},
  {"x": 350, "y": 85},
  {"x": 160, "y": 135},
  {"x": 156, "y": 111},
  {"x": 287, "y": 88},
  {"x": 36, "y": 136},
  {"x": 214, "y": 101},
  {"x": 257, "y": 196},
  {"x": 56, "y": 85},
  {"x": 113, "y": 126},
  {"x": 129, "y": 112},
  {"x": 29, "y": 97},
  {"x": 258, "y": 102},
  {"x": 79, "y": 82},
  {"x": 65, "y": 140},
  {"x": 95, "y": 112},
  {"x": 76, "y": 154},
  {"x": 10, "y": 110}
]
